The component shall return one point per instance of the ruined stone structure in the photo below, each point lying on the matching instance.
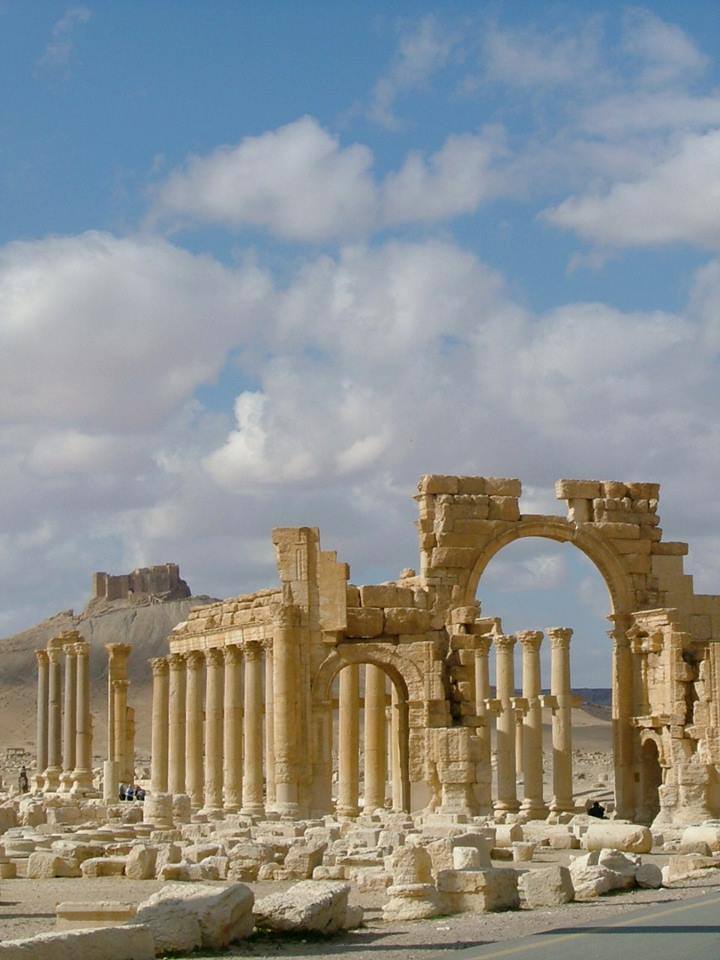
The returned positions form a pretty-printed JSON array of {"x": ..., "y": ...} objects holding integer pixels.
[
  {"x": 271, "y": 658},
  {"x": 162, "y": 581}
]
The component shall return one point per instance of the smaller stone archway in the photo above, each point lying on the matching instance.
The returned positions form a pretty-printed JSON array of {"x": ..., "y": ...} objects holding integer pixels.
[
  {"x": 650, "y": 775},
  {"x": 407, "y": 710}
]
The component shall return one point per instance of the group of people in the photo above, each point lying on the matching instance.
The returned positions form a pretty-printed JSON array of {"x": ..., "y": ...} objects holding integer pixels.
[{"x": 128, "y": 791}]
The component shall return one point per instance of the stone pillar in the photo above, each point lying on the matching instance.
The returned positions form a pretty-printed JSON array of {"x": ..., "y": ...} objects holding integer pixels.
[
  {"x": 375, "y": 731},
  {"x": 160, "y": 721},
  {"x": 623, "y": 732},
  {"x": 129, "y": 772},
  {"x": 176, "y": 740},
  {"x": 194, "y": 785},
  {"x": 506, "y": 801},
  {"x": 483, "y": 790},
  {"x": 232, "y": 730},
  {"x": 252, "y": 802},
  {"x": 82, "y": 775},
  {"x": 532, "y": 754},
  {"x": 349, "y": 741},
  {"x": 69, "y": 710},
  {"x": 54, "y": 767},
  {"x": 395, "y": 751},
  {"x": 214, "y": 664},
  {"x": 561, "y": 692},
  {"x": 286, "y": 668},
  {"x": 115, "y": 766},
  {"x": 269, "y": 731},
  {"x": 41, "y": 736}
]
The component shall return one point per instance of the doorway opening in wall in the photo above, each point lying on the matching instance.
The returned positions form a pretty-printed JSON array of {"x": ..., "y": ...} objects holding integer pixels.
[
  {"x": 370, "y": 752},
  {"x": 650, "y": 782},
  {"x": 533, "y": 584}
]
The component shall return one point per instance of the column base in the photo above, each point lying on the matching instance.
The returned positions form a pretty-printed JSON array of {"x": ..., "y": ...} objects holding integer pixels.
[
  {"x": 562, "y": 806},
  {"x": 347, "y": 812},
  {"x": 52, "y": 779},
  {"x": 111, "y": 783},
  {"x": 534, "y": 809},
  {"x": 232, "y": 807},
  {"x": 252, "y": 810},
  {"x": 82, "y": 783},
  {"x": 66, "y": 781}
]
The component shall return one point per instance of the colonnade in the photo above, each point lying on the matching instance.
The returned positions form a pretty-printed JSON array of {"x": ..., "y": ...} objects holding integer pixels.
[
  {"x": 518, "y": 722},
  {"x": 64, "y": 722},
  {"x": 213, "y": 734}
]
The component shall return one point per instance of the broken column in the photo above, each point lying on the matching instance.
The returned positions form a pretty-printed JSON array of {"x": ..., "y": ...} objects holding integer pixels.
[
  {"x": 349, "y": 741},
  {"x": 533, "y": 803},
  {"x": 159, "y": 747},
  {"x": 41, "y": 741},
  {"x": 375, "y": 734},
  {"x": 506, "y": 801},
  {"x": 214, "y": 663},
  {"x": 561, "y": 693}
]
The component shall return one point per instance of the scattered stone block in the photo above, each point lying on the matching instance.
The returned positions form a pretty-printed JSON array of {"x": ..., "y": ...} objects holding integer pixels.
[
  {"x": 309, "y": 907},
  {"x": 479, "y": 891},
  {"x": 100, "y": 913},
  {"x": 225, "y": 914},
  {"x": 547, "y": 886},
  {"x": 628, "y": 837}
]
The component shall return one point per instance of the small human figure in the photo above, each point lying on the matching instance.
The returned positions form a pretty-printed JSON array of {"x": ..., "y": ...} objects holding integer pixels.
[
  {"x": 123, "y": 792},
  {"x": 23, "y": 782},
  {"x": 130, "y": 792},
  {"x": 596, "y": 810},
  {"x": 140, "y": 794}
]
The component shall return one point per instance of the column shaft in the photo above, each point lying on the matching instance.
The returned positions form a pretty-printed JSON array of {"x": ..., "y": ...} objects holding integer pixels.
[
  {"x": 484, "y": 732},
  {"x": 176, "y": 742},
  {"x": 532, "y": 756},
  {"x": 286, "y": 667},
  {"x": 395, "y": 762},
  {"x": 562, "y": 719},
  {"x": 505, "y": 742},
  {"x": 349, "y": 741},
  {"x": 214, "y": 665},
  {"x": 269, "y": 731},
  {"x": 623, "y": 732},
  {"x": 375, "y": 732},
  {"x": 232, "y": 732},
  {"x": 120, "y": 688},
  {"x": 69, "y": 717},
  {"x": 82, "y": 774},
  {"x": 52, "y": 776},
  {"x": 253, "y": 779},
  {"x": 160, "y": 719},
  {"x": 194, "y": 784},
  {"x": 41, "y": 737}
]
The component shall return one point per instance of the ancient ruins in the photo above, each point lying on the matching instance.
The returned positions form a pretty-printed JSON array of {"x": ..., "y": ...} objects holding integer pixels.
[{"x": 383, "y": 740}]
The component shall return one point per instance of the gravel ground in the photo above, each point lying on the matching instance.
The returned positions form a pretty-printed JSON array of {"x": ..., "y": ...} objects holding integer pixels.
[{"x": 28, "y": 907}]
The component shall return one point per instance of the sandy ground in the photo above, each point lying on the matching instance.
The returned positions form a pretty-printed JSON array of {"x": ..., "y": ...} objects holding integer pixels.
[{"x": 28, "y": 907}]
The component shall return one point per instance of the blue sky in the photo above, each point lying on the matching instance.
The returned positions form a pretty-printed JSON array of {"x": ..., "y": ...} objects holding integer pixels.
[{"x": 268, "y": 263}]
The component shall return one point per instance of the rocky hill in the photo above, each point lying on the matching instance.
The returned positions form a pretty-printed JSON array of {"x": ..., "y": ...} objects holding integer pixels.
[{"x": 144, "y": 621}]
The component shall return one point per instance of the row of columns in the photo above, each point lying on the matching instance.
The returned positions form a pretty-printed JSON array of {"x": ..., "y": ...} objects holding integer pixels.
[
  {"x": 207, "y": 739},
  {"x": 376, "y": 762},
  {"x": 64, "y": 729},
  {"x": 518, "y": 721}
]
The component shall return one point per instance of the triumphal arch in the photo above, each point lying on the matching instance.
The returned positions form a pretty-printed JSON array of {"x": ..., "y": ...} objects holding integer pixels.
[{"x": 257, "y": 708}]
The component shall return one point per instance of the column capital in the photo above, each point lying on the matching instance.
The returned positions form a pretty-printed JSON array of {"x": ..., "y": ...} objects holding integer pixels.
[
  {"x": 253, "y": 651},
  {"x": 81, "y": 648},
  {"x": 120, "y": 684},
  {"x": 42, "y": 657},
  {"x": 214, "y": 656},
  {"x": 232, "y": 653},
  {"x": 176, "y": 662},
  {"x": 559, "y": 637},
  {"x": 286, "y": 615},
  {"x": 530, "y": 639},
  {"x": 482, "y": 645},
  {"x": 194, "y": 659},
  {"x": 159, "y": 666},
  {"x": 504, "y": 641}
]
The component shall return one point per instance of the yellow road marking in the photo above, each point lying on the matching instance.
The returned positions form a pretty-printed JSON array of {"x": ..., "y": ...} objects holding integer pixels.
[{"x": 563, "y": 938}]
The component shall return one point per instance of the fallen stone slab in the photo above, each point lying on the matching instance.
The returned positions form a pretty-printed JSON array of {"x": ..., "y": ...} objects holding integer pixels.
[
  {"x": 478, "y": 891},
  {"x": 128, "y": 942},
  {"x": 101, "y": 913},
  {"x": 547, "y": 886},
  {"x": 225, "y": 914},
  {"x": 309, "y": 906}
]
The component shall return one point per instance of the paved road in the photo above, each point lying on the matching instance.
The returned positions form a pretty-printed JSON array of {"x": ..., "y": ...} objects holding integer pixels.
[{"x": 686, "y": 929}]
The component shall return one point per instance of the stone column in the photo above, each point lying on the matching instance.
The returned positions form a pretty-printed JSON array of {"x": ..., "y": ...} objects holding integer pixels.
[
  {"x": 395, "y": 750},
  {"x": 286, "y": 667},
  {"x": 532, "y": 755},
  {"x": 82, "y": 775},
  {"x": 119, "y": 698},
  {"x": 561, "y": 691},
  {"x": 129, "y": 773},
  {"x": 69, "y": 710},
  {"x": 54, "y": 767},
  {"x": 41, "y": 736},
  {"x": 349, "y": 741},
  {"x": 194, "y": 785},
  {"x": 269, "y": 731},
  {"x": 506, "y": 801},
  {"x": 623, "y": 732},
  {"x": 375, "y": 731},
  {"x": 160, "y": 720},
  {"x": 232, "y": 730},
  {"x": 253, "y": 780},
  {"x": 176, "y": 741},
  {"x": 214, "y": 664},
  {"x": 483, "y": 790}
]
